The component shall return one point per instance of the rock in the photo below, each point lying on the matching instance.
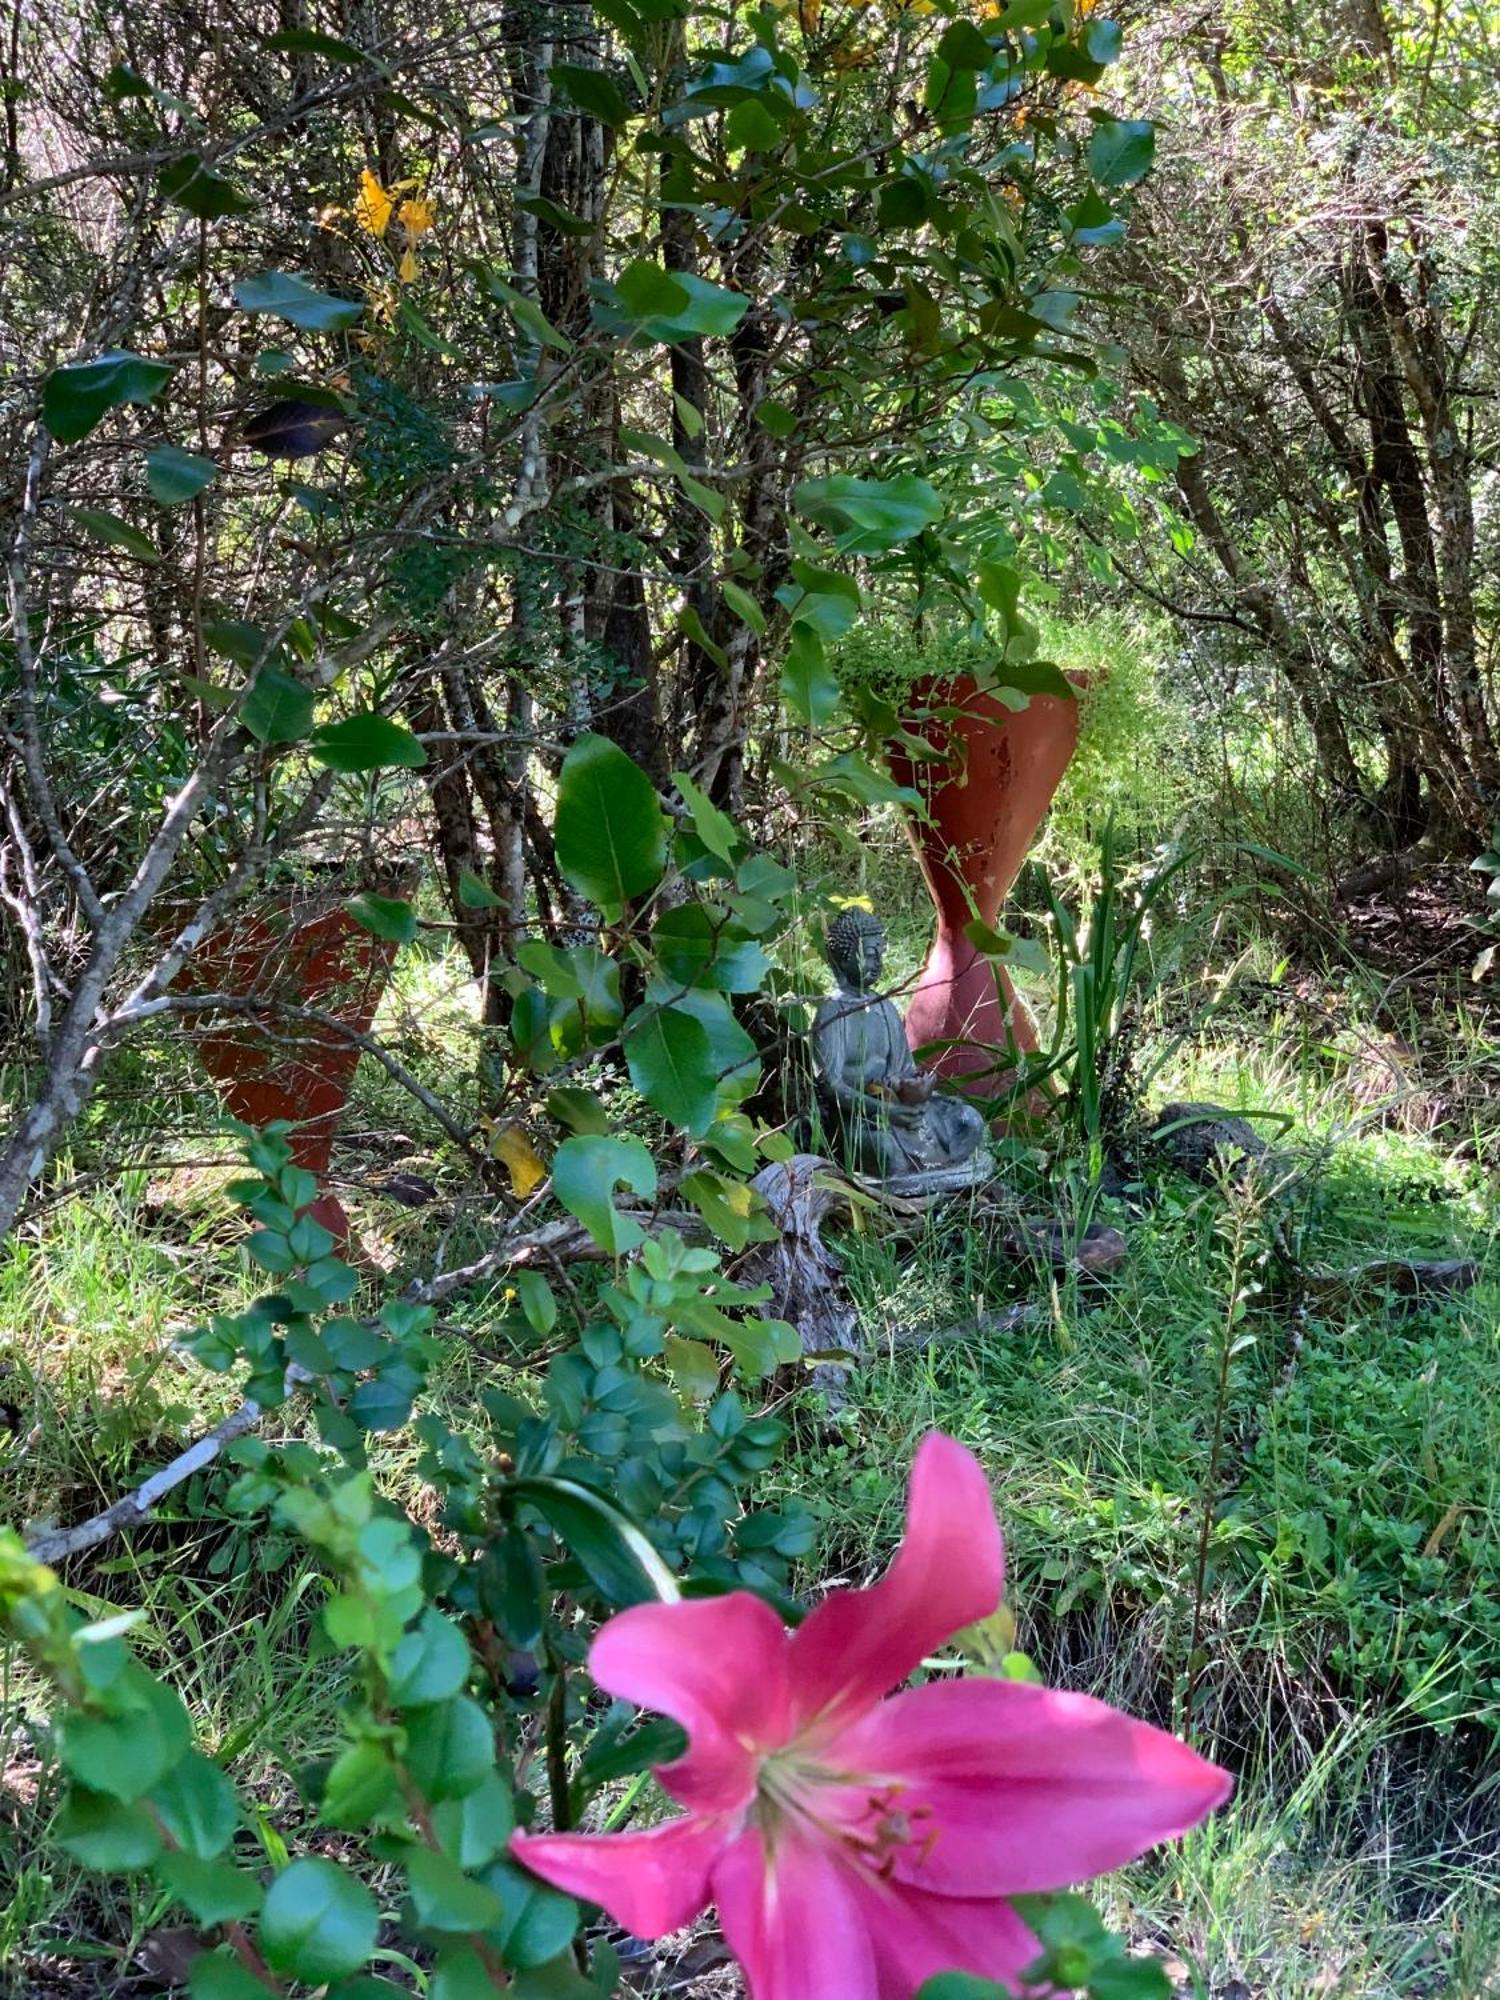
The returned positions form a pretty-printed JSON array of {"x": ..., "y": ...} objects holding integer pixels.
[{"x": 1205, "y": 1140}]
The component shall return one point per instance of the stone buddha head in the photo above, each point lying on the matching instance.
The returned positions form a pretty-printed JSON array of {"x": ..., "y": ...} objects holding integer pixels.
[{"x": 856, "y": 949}]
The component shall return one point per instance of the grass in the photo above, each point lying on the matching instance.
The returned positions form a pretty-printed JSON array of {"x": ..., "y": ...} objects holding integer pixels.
[{"x": 1349, "y": 1628}]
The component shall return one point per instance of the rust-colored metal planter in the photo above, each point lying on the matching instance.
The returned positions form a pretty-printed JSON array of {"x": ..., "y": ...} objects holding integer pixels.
[
  {"x": 987, "y": 793},
  {"x": 274, "y": 1065}
]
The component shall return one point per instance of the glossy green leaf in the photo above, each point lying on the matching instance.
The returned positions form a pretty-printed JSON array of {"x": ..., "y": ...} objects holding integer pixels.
[
  {"x": 288, "y": 297},
  {"x": 430, "y": 1663},
  {"x": 198, "y": 1806},
  {"x": 216, "y": 1976},
  {"x": 619, "y": 1557},
  {"x": 610, "y": 831},
  {"x": 474, "y": 1829},
  {"x": 187, "y": 183},
  {"x": 78, "y": 394},
  {"x": 104, "y": 1832},
  {"x": 444, "y": 1898},
  {"x": 585, "y": 1174},
  {"x": 592, "y": 91},
  {"x": 213, "y": 1891},
  {"x": 119, "y": 534},
  {"x": 870, "y": 515},
  {"x": 384, "y": 916},
  {"x": 318, "y": 1922},
  {"x": 671, "y": 1064},
  {"x": 367, "y": 743},
  {"x": 175, "y": 475},
  {"x": 450, "y": 1748},
  {"x": 277, "y": 708},
  {"x": 1121, "y": 151},
  {"x": 538, "y": 1301}
]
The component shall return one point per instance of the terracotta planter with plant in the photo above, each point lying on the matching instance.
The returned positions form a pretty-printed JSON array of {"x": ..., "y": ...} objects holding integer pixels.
[
  {"x": 986, "y": 789},
  {"x": 271, "y": 1063}
]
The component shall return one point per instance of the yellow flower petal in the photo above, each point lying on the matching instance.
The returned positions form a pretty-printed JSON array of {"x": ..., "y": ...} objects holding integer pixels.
[
  {"x": 408, "y": 270},
  {"x": 416, "y": 217},
  {"x": 372, "y": 205}
]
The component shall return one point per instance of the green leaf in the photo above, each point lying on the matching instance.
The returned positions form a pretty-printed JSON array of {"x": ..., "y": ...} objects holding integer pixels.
[
  {"x": 962, "y": 1986},
  {"x": 175, "y": 475},
  {"x": 808, "y": 685},
  {"x": 277, "y": 708},
  {"x": 475, "y": 893},
  {"x": 450, "y": 1748},
  {"x": 537, "y": 1301},
  {"x": 744, "y": 607},
  {"x": 621, "y": 1561},
  {"x": 752, "y": 127},
  {"x": 132, "y": 1748},
  {"x": 715, "y": 829},
  {"x": 187, "y": 183},
  {"x": 647, "y": 291},
  {"x": 528, "y": 315},
  {"x": 308, "y": 42},
  {"x": 578, "y": 1109},
  {"x": 870, "y": 515},
  {"x": 119, "y": 534},
  {"x": 1102, "y": 41},
  {"x": 1121, "y": 151},
  {"x": 538, "y": 1923},
  {"x": 610, "y": 831},
  {"x": 1125, "y": 1978},
  {"x": 475, "y": 1828},
  {"x": 961, "y": 46},
  {"x": 198, "y": 1806},
  {"x": 214, "y": 1891},
  {"x": 78, "y": 394},
  {"x": 362, "y": 1787},
  {"x": 318, "y": 1922},
  {"x": 102, "y": 1832},
  {"x": 776, "y": 419},
  {"x": 216, "y": 1977},
  {"x": 700, "y": 950},
  {"x": 592, "y": 91},
  {"x": 367, "y": 743},
  {"x": 672, "y": 1066},
  {"x": 443, "y": 1897},
  {"x": 585, "y": 1174},
  {"x": 288, "y": 297},
  {"x": 430, "y": 1663},
  {"x": 384, "y": 916},
  {"x": 677, "y": 305}
]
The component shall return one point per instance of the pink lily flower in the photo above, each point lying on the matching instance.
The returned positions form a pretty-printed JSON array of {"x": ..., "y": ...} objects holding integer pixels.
[{"x": 856, "y": 1845}]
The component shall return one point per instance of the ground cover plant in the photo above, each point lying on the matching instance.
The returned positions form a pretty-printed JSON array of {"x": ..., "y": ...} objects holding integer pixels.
[{"x": 494, "y": 502}]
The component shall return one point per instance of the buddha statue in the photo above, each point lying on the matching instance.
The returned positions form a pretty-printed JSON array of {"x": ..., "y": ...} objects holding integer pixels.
[{"x": 883, "y": 1109}]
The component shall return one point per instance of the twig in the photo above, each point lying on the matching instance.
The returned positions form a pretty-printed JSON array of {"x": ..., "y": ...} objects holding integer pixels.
[{"x": 136, "y": 1507}]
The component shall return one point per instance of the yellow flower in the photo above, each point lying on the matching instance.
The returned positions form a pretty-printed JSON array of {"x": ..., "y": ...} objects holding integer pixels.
[
  {"x": 409, "y": 267},
  {"x": 416, "y": 216},
  {"x": 372, "y": 205}
]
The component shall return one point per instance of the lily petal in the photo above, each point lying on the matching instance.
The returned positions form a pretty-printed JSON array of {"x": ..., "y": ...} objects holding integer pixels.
[
  {"x": 651, "y": 1882},
  {"x": 793, "y": 1920},
  {"x": 717, "y": 1665},
  {"x": 948, "y": 1572},
  {"x": 1010, "y": 1789},
  {"x": 917, "y": 1935}
]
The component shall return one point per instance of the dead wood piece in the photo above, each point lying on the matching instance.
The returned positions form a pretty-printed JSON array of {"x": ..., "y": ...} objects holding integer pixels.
[
  {"x": 1101, "y": 1253},
  {"x": 1409, "y": 1280},
  {"x": 798, "y": 1266}
]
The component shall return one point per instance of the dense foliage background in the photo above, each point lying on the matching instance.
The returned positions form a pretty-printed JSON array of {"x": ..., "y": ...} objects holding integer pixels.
[{"x": 506, "y": 474}]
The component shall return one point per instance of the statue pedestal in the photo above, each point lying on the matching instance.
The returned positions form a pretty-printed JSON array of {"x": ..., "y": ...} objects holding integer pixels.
[{"x": 987, "y": 793}]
